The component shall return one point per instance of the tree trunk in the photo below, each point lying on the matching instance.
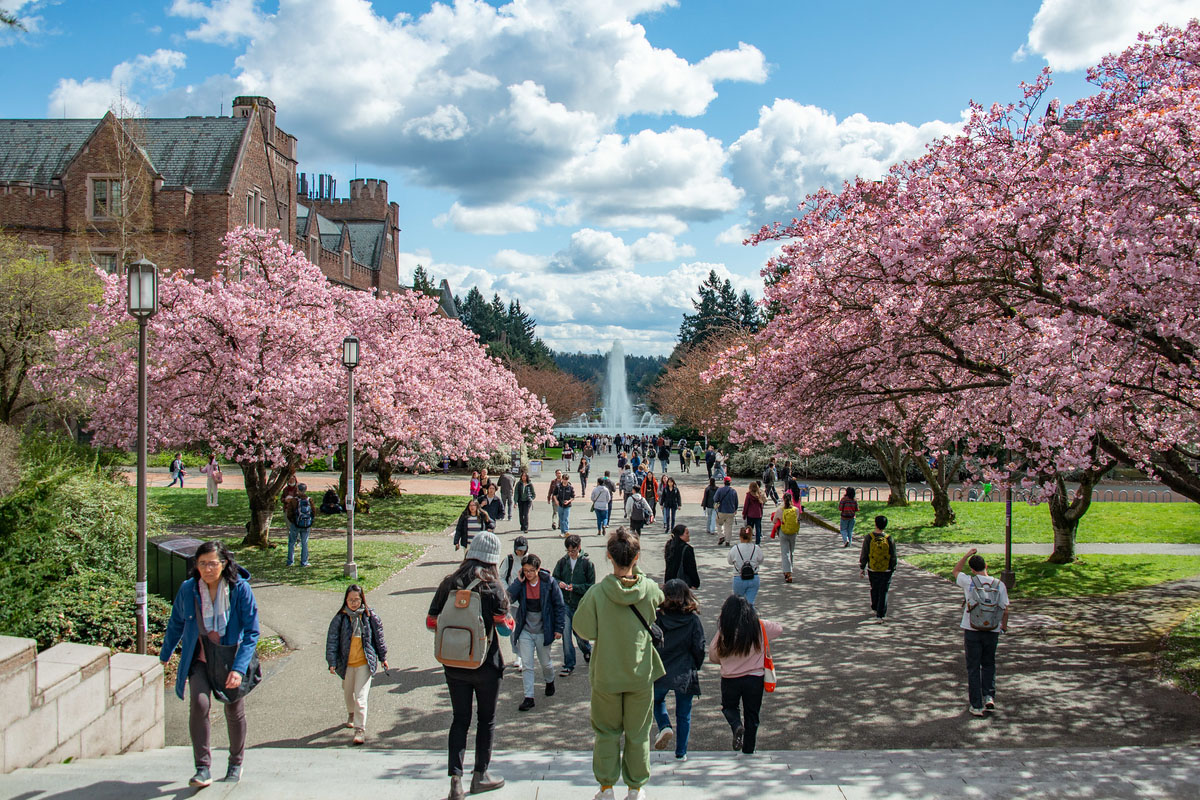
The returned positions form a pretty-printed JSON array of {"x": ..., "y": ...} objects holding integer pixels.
[
  {"x": 939, "y": 478},
  {"x": 1065, "y": 512},
  {"x": 894, "y": 463},
  {"x": 383, "y": 466},
  {"x": 262, "y": 489}
]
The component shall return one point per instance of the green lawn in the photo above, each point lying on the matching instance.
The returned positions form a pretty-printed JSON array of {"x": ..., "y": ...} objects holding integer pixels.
[
  {"x": 411, "y": 513},
  {"x": 1090, "y": 575},
  {"x": 1179, "y": 659},
  {"x": 377, "y": 561},
  {"x": 983, "y": 523}
]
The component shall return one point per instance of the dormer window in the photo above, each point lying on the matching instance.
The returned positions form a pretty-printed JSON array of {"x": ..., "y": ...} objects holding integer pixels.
[{"x": 105, "y": 197}]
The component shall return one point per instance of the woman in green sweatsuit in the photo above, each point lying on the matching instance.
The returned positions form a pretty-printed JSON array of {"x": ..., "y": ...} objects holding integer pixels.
[{"x": 623, "y": 669}]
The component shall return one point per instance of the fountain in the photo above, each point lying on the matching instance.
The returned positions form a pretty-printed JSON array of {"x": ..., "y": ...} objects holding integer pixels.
[{"x": 619, "y": 414}]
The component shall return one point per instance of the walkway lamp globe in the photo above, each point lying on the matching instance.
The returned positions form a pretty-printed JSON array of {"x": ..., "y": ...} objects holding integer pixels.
[
  {"x": 350, "y": 352},
  {"x": 142, "y": 303},
  {"x": 350, "y": 361}
]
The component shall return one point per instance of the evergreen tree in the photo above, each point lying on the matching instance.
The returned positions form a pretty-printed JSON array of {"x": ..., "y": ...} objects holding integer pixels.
[
  {"x": 716, "y": 308},
  {"x": 423, "y": 282},
  {"x": 748, "y": 313}
]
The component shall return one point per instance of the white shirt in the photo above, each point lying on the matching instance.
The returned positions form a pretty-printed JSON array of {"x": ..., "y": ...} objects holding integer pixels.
[
  {"x": 738, "y": 556},
  {"x": 964, "y": 582}
]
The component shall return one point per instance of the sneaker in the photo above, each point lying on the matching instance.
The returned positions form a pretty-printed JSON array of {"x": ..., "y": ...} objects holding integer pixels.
[
  {"x": 565, "y": 672},
  {"x": 526, "y": 704},
  {"x": 737, "y": 737},
  {"x": 721, "y": 540},
  {"x": 550, "y": 689},
  {"x": 587, "y": 656},
  {"x": 553, "y": 526},
  {"x": 233, "y": 774},
  {"x": 989, "y": 703},
  {"x": 360, "y": 737},
  {"x": 635, "y": 794},
  {"x": 681, "y": 756},
  {"x": 976, "y": 712},
  {"x": 663, "y": 741},
  {"x": 202, "y": 777},
  {"x": 604, "y": 794}
]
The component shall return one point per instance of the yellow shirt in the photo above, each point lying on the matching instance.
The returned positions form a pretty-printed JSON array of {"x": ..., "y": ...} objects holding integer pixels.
[{"x": 357, "y": 657}]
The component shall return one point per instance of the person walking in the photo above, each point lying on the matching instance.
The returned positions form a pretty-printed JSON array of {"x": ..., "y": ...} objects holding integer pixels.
[
  {"x": 682, "y": 655},
  {"x": 575, "y": 575},
  {"x": 525, "y": 495},
  {"x": 720, "y": 468},
  {"x": 602, "y": 499},
  {"x": 726, "y": 502},
  {"x": 585, "y": 467},
  {"x": 740, "y": 648},
  {"x": 300, "y": 515},
  {"x": 471, "y": 522},
  {"x": 552, "y": 499},
  {"x": 354, "y": 650},
  {"x": 985, "y": 617},
  {"x": 476, "y": 489},
  {"x": 639, "y": 512},
  {"x": 628, "y": 482},
  {"x": 177, "y": 471},
  {"x": 664, "y": 454},
  {"x": 877, "y": 562},
  {"x": 709, "y": 508},
  {"x": 650, "y": 492},
  {"x": 615, "y": 616},
  {"x": 481, "y": 686},
  {"x": 510, "y": 570},
  {"x": 789, "y": 527},
  {"x": 493, "y": 506},
  {"x": 564, "y": 496},
  {"x": 769, "y": 477},
  {"x": 847, "y": 510},
  {"x": 215, "y": 603},
  {"x": 484, "y": 483},
  {"x": 752, "y": 509},
  {"x": 540, "y": 620},
  {"x": 670, "y": 500},
  {"x": 213, "y": 470},
  {"x": 746, "y": 557},
  {"x": 507, "y": 484},
  {"x": 685, "y": 457},
  {"x": 679, "y": 558},
  {"x": 710, "y": 459}
]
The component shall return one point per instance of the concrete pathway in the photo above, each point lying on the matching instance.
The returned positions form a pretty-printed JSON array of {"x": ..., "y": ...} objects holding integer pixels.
[{"x": 566, "y": 775}]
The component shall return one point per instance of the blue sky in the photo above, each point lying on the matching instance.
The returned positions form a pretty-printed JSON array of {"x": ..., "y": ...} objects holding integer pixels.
[{"x": 593, "y": 159}]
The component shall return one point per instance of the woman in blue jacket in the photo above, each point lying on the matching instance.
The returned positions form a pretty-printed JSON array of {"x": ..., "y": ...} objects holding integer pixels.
[
  {"x": 218, "y": 596},
  {"x": 541, "y": 617}
]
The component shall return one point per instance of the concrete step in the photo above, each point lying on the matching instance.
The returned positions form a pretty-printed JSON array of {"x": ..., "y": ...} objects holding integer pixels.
[{"x": 300, "y": 773}]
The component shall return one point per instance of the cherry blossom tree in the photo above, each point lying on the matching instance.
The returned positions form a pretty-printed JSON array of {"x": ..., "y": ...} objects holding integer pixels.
[{"x": 249, "y": 364}]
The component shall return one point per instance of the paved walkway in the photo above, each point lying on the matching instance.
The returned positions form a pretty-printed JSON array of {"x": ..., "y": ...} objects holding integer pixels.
[{"x": 566, "y": 775}]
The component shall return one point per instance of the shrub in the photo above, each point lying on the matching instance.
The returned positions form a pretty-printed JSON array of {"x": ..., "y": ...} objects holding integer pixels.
[{"x": 750, "y": 462}]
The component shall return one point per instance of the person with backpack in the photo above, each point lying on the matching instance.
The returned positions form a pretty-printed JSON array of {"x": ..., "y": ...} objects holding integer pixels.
[
  {"x": 466, "y": 642},
  {"x": 769, "y": 477},
  {"x": 752, "y": 509},
  {"x": 541, "y": 616},
  {"x": 679, "y": 558},
  {"x": 602, "y": 498},
  {"x": 685, "y": 459},
  {"x": 177, "y": 471},
  {"x": 525, "y": 495},
  {"x": 710, "y": 510},
  {"x": 725, "y": 500},
  {"x": 354, "y": 650},
  {"x": 746, "y": 558},
  {"x": 300, "y": 515},
  {"x": 878, "y": 562},
  {"x": 510, "y": 570},
  {"x": 670, "y": 500},
  {"x": 847, "y": 510},
  {"x": 682, "y": 654},
  {"x": 616, "y": 617},
  {"x": 985, "y": 617},
  {"x": 740, "y": 647},
  {"x": 627, "y": 482},
  {"x": 640, "y": 512},
  {"x": 788, "y": 520},
  {"x": 216, "y": 603},
  {"x": 471, "y": 521},
  {"x": 575, "y": 575}
]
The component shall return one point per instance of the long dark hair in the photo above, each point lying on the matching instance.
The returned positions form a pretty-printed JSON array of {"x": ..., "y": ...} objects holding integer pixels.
[
  {"x": 678, "y": 598},
  {"x": 674, "y": 542},
  {"x": 362, "y": 595},
  {"x": 472, "y": 568},
  {"x": 230, "y": 572},
  {"x": 738, "y": 629}
]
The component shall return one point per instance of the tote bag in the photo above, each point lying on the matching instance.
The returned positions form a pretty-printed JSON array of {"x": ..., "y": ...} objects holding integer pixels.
[
  {"x": 768, "y": 663},
  {"x": 218, "y": 663}
]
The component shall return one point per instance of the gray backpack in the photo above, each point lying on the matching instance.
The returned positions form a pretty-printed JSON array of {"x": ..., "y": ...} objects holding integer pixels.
[
  {"x": 461, "y": 639},
  {"x": 983, "y": 604}
]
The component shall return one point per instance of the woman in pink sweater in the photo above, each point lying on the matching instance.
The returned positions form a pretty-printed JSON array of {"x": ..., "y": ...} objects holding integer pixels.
[{"x": 739, "y": 647}]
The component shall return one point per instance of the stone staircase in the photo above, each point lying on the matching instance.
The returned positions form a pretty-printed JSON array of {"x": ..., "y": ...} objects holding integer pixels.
[{"x": 75, "y": 701}]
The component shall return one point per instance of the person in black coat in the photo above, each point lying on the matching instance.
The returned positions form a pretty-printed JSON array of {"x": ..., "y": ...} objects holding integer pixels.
[
  {"x": 682, "y": 654},
  {"x": 355, "y": 662},
  {"x": 681, "y": 558}
]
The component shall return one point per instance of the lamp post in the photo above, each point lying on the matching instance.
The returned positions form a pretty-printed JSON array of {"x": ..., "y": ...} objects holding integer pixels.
[
  {"x": 142, "y": 303},
  {"x": 350, "y": 361},
  {"x": 1007, "y": 576}
]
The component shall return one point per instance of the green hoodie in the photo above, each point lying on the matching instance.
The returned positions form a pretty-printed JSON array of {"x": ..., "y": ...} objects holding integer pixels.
[{"x": 624, "y": 658}]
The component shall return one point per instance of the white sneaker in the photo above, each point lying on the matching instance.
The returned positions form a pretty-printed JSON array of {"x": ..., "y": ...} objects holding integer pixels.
[
  {"x": 635, "y": 794},
  {"x": 663, "y": 741},
  {"x": 605, "y": 794},
  {"x": 976, "y": 712},
  {"x": 989, "y": 704}
]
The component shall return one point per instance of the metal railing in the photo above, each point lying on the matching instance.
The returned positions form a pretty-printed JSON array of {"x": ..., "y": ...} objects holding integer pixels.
[{"x": 976, "y": 494}]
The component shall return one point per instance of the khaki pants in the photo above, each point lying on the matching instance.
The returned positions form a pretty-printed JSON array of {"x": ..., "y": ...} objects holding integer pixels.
[
  {"x": 725, "y": 526},
  {"x": 613, "y": 714},
  {"x": 355, "y": 685}
]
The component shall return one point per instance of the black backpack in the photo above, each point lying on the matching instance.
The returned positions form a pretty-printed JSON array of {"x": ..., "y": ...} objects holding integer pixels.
[
  {"x": 747, "y": 573},
  {"x": 304, "y": 513}
]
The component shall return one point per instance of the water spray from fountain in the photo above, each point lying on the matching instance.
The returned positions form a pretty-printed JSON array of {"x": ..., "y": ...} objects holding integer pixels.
[{"x": 618, "y": 415}]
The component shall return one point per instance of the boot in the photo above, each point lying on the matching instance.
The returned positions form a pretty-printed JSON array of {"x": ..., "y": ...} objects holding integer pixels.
[
  {"x": 484, "y": 782},
  {"x": 456, "y": 790}
]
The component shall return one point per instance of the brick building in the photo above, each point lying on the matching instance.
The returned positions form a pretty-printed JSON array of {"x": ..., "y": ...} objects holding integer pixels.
[{"x": 111, "y": 191}]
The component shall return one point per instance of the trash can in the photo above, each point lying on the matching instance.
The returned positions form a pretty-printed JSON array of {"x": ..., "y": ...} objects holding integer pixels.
[{"x": 169, "y": 562}]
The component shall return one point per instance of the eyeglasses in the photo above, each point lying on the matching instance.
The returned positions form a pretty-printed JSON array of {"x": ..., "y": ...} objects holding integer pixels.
[{"x": 209, "y": 564}]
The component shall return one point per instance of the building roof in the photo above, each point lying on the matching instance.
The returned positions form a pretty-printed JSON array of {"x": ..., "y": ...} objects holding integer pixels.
[
  {"x": 366, "y": 242},
  {"x": 197, "y": 152}
]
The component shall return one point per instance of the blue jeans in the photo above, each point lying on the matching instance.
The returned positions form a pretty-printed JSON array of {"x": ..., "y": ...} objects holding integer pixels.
[
  {"x": 564, "y": 519},
  {"x": 747, "y": 589},
  {"x": 683, "y": 716},
  {"x": 847, "y": 529},
  {"x": 756, "y": 523},
  {"x": 176, "y": 476},
  {"x": 569, "y": 644},
  {"x": 533, "y": 645},
  {"x": 601, "y": 519},
  {"x": 668, "y": 515},
  {"x": 295, "y": 533},
  {"x": 710, "y": 523}
]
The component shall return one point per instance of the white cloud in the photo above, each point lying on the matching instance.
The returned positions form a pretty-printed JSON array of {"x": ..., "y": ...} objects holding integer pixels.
[
  {"x": 744, "y": 64},
  {"x": 494, "y": 220},
  {"x": 223, "y": 21},
  {"x": 796, "y": 149},
  {"x": 1074, "y": 34},
  {"x": 591, "y": 251},
  {"x": 508, "y": 260},
  {"x": 734, "y": 234},
  {"x": 659, "y": 247},
  {"x": 443, "y": 124},
  {"x": 92, "y": 97}
]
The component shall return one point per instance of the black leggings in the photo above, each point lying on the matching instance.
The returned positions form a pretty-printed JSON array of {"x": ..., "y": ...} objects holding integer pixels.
[
  {"x": 748, "y": 692},
  {"x": 483, "y": 686}
]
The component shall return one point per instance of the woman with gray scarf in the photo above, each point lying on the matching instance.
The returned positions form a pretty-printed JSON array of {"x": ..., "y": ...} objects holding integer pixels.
[{"x": 354, "y": 649}]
